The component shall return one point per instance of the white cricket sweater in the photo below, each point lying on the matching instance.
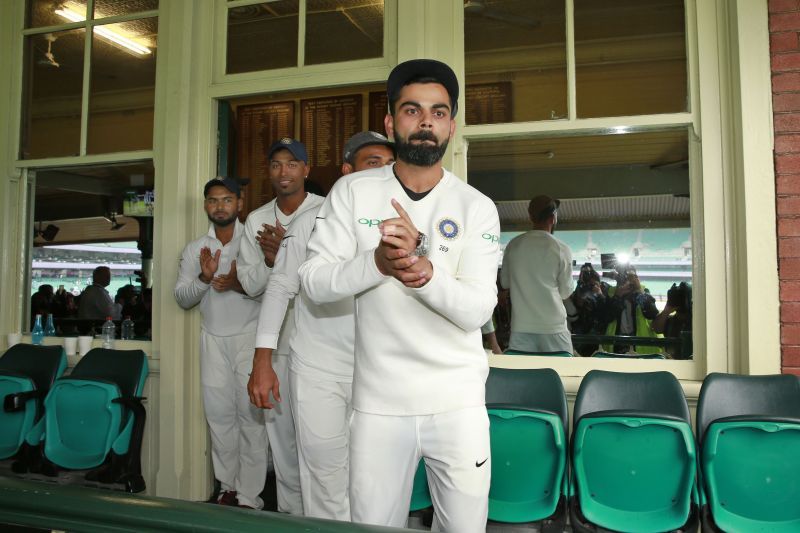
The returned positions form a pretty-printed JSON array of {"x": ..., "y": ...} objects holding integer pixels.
[
  {"x": 417, "y": 351},
  {"x": 322, "y": 341},
  {"x": 225, "y": 313},
  {"x": 537, "y": 268},
  {"x": 253, "y": 271}
]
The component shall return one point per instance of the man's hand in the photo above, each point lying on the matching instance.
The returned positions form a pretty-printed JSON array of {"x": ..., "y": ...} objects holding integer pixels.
[
  {"x": 228, "y": 282},
  {"x": 393, "y": 256},
  {"x": 399, "y": 232},
  {"x": 269, "y": 239},
  {"x": 208, "y": 264},
  {"x": 263, "y": 380}
]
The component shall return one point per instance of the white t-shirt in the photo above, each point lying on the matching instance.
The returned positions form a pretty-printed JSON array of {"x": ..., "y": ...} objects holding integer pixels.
[
  {"x": 253, "y": 272},
  {"x": 537, "y": 268},
  {"x": 322, "y": 341},
  {"x": 225, "y": 313},
  {"x": 418, "y": 351}
]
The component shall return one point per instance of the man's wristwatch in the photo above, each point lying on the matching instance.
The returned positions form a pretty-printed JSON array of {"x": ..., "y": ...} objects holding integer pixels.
[{"x": 422, "y": 245}]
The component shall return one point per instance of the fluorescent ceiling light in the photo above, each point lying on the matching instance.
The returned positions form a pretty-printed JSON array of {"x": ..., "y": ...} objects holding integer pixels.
[{"x": 111, "y": 35}]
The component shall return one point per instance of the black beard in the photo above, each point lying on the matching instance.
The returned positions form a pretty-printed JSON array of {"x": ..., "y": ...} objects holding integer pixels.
[
  {"x": 224, "y": 222},
  {"x": 420, "y": 155}
]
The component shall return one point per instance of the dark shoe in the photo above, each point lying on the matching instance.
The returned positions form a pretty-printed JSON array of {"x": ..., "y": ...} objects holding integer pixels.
[{"x": 227, "y": 497}]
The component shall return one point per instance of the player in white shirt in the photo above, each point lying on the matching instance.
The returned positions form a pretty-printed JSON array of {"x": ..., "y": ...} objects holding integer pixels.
[
  {"x": 537, "y": 268},
  {"x": 321, "y": 359},
  {"x": 207, "y": 276},
  {"x": 264, "y": 229},
  {"x": 421, "y": 297}
]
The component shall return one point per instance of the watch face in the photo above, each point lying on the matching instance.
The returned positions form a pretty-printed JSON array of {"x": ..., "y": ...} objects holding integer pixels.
[{"x": 422, "y": 245}]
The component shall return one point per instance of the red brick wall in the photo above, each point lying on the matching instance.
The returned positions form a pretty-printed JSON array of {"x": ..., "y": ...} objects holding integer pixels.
[{"x": 784, "y": 27}]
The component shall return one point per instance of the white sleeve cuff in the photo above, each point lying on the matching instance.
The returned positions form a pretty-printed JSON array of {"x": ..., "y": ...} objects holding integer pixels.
[{"x": 267, "y": 340}]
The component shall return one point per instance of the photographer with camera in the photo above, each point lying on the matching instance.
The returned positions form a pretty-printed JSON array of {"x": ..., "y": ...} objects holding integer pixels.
[
  {"x": 630, "y": 309},
  {"x": 676, "y": 318},
  {"x": 590, "y": 300}
]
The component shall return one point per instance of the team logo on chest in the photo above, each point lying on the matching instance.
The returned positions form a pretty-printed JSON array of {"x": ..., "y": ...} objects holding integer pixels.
[{"x": 449, "y": 228}]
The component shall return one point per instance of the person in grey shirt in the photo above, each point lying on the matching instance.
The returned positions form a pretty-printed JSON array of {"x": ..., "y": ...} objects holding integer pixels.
[{"x": 95, "y": 302}]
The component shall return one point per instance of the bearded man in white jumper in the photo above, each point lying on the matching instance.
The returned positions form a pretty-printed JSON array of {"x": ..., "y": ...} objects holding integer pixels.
[
  {"x": 263, "y": 232},
  {"x": 207, "y": 276},
  {"x": 418, "y": 248}
]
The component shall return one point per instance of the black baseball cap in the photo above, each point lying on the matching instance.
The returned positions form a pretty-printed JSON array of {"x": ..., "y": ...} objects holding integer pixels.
[
  {"x": 295, "y": 147},
  {"x": 362, "y": 139},
  {"x": 232, "y": 184},
  {"x": 423, "y": 68}
]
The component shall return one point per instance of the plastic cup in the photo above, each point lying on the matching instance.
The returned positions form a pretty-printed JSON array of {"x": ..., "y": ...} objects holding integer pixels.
[
  {"x": 84, "y": 344},
  {"x": 14, "y": 338},
  {"x": 71, "y": 345}
]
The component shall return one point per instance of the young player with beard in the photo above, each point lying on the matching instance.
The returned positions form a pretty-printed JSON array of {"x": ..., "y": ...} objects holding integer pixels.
[
  {"x": 207, "y": 276},
  {"x": 321, "y": 359},
  {"x": 264, "y": 229},
  {"x": 418, "y": 248}
]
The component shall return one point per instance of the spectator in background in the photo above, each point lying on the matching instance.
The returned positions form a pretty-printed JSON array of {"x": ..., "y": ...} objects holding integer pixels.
[
  {"x": 42, "y": 303},
  {"x": 676, "y": 318},
  {"x": 590, "y": 300},
  {"x": 95, "y": 302},
  {"x": 537, "y": 268},
  {"x": 630, "y": 310}
]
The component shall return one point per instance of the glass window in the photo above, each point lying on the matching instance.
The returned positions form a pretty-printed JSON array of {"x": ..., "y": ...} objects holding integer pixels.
[
  {"x": 626, "y": 195},
  {"x": 262, "y": 36},
  {"x": 630, "y": 57},
  {"x": 86, "y": 217},
  {"x": 51, "y": 123},
  {"x": 112, "y": 8},
  {"x": 122, "y": 88},
  {"x": 343, "y": 31},
  {"x": 515, "y": 60},
  {"x": 54, "y": 12}
]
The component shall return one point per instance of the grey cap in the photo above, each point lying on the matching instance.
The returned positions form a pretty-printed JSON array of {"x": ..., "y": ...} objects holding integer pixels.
[{"x": 362, "y": 139}]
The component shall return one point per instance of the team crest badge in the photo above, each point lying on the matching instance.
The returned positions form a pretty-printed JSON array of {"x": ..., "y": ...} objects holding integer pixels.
[
  {"x": 286, "y": 140},
  {"x": 449, "y": 228}
]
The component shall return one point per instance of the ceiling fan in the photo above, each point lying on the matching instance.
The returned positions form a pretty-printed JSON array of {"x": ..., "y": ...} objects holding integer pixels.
[{"x": 478, "y": 8}]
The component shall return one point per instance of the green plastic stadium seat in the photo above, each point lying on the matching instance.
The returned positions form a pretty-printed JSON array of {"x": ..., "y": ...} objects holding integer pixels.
[
  {"x": 612, "y": 355},
  {"x": 528, "y": 429},
  {"x": 95, "y": 418},
  {"x": 749, "y": 433},
  {"x": 545, "y": 354},
  {"x": 633, "y": 454},
  {"x": 26, "y": 374},
  {"x": 420, "y": 494}
]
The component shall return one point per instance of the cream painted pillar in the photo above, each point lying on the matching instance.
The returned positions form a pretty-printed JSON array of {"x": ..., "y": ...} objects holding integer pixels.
[
  {"x": 183, "y": 143},
  {"x": 13, "y": 196},
  {"x": 756, "y": 285}
]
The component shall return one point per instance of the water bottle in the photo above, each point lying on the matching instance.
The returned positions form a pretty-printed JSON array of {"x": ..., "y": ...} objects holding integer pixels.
[
  {"x": 50, "y": 329},
  {"x": 127, "y": 329},
  {"x": 37, "y": 333},
  {"x": 108, "y": 333}
]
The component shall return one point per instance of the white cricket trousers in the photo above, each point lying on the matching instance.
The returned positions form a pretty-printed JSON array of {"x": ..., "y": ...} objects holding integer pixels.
[
  {"x": 282, "y": 441},
  {"x": 238, "y": 435},
  {"x": 385, "y": 451},
  {"x": 322, "y": 412}
]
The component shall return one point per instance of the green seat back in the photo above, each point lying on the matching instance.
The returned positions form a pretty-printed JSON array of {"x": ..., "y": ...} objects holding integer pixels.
[
  {"x": 26, "y": 368},
  {"x": 528, "y": 429},
  {"x": 634, "y": 474},
  {"x": 420, "y": 494},
  {"x": 15, "y": 424},
  {"x": 752, "y": 475},
  {"x": 82, "y": 420},
  {"x": 633, "y": 452},
  {"x": 546, "y": 354},
  {"x": 749, "y": 432},
  {"x": 528, "y": 465}
]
